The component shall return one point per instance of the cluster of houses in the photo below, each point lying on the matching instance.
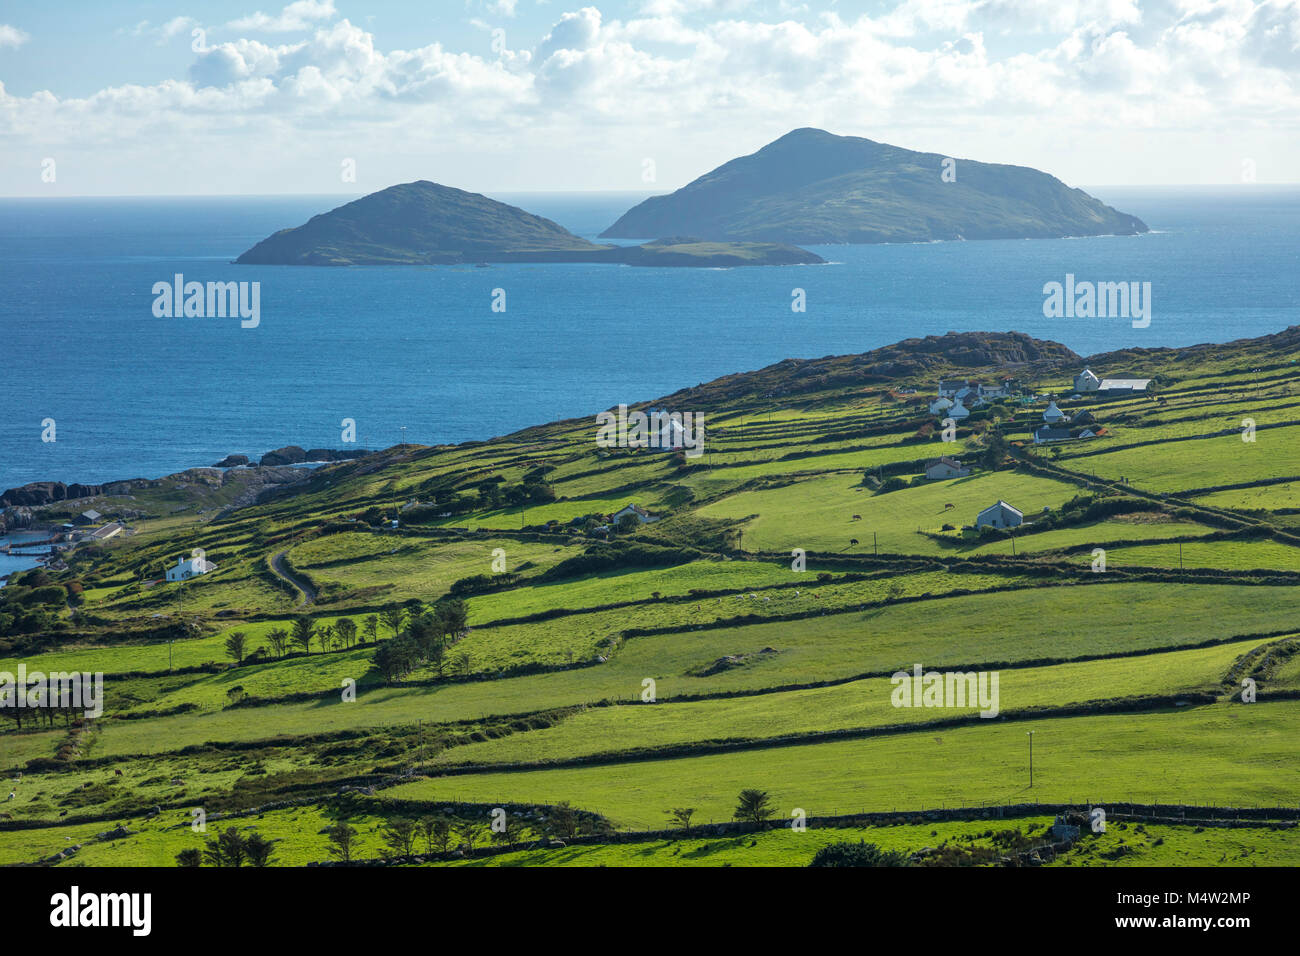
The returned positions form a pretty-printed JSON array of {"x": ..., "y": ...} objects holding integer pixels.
[{"x": 957, "y": 397}]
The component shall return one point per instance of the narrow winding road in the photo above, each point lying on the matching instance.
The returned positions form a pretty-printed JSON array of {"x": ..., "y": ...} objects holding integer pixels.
[{"x": 279, "y": 566}]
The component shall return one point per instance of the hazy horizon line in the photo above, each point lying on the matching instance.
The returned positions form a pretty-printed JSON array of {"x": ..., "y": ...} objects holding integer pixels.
[{"x": 579, "y": 192}]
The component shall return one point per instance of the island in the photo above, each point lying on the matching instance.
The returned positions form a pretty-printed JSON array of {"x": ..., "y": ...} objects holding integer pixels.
[
  {"x": 426, "y": 223},
  {"x": 816, "y": 188}
]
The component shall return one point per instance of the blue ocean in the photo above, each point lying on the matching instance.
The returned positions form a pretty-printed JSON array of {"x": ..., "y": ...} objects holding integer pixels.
[{"x": 421, "y": 348}]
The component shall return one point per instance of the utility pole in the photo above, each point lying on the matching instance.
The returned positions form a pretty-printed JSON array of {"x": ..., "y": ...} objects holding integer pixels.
[
  {"x": 1180, "y": 555},
  {"x": 1031, "y": 760},
  {"x": 874, "y": 549}
]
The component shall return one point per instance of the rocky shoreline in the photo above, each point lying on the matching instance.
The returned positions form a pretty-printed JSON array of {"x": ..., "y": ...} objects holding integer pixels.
[{"x": 282, "y": 466}]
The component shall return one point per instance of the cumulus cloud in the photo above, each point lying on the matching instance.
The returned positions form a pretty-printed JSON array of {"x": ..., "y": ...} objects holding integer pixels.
[
  {"x": 297, "y": 16},
  {"x": 12, "y": 36},
  {"x": 925, "y": 65}
]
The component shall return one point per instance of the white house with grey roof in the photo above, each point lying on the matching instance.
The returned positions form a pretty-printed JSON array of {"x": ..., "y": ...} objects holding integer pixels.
[
  {"x": 945, "y": 467},
  {"x": 187, "y": 568},
  {"x": 1054, "y": 414},
  {"x": 1000, "y": 515}
]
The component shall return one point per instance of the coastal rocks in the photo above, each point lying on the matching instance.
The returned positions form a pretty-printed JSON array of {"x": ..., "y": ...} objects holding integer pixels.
[
  {"x": 15, "y": 519},
  {"x": 232, "y": 461},
  {"x": 288, "y": 455},
  {"x": 293, "y": 455},
  {"x": 38, "y": 494}
]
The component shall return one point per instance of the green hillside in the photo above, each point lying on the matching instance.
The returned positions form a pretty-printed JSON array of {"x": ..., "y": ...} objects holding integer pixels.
[
  {"x": 424, "y": 223},
  {"x": 510, "y": 644},
  {"x": 813, "y": 187}
]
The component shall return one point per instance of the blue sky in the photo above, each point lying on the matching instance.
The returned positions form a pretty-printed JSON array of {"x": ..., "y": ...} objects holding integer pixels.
[{"x": 494, "y": 95}]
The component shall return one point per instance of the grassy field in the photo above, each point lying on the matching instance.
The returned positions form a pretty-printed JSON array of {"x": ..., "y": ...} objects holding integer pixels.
[
  {"x": 1247, "y": 754},
  {"x": 629, "y": 668},
  {"x": 817, "y": 514}
]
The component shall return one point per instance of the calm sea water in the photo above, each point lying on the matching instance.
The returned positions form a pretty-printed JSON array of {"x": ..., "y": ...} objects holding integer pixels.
[
  {"x": 137, "y": 396},
  {"x": 9, "y": 563}
]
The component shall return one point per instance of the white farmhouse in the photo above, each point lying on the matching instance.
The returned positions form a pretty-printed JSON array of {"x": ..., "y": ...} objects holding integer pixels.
[
  {"x": 189, "y": 567},
  {"x": 1000, "y": 515},
  {"x": 1053, "y": 414},
  {"x": 945, "y": 467},
  {"x": 1086, "y": 381},
  {"x": 642, "y": 515},
  {"x": 940, "y": 405},
  {"x": 958, "y": 411}
]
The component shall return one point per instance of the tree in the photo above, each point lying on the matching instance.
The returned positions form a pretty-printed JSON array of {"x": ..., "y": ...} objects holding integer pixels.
[
  {"x": 442, "y": 834},
  {"x": 235, "y": 644},
  {"x": 228, "y": 849},
  {"x": 754, "y": 806},
  {"x": 392, "y": 619},
  {"x": 627, "y": 524},
  {"x": 858, "y": 854},
  {"x": 562, "y": 821},
  {"x": 326, "y": 637},
  {"x": 436, "y": 832},
  {"x": 346, "y": 628},
  {"x": 303, "y": 632},
  {"x": 371, "y": 627},
  {"x": 452, "y": 616},
  {"x": 681, "y": 816},
  {"x": 259, "y": 849},
  {"x": 468, "y": 833},
  {"x": 278, "y": 638},
  {"x": 437, "y": 655},
  {"x": 399, "y": 838},
  {"x": 189, "y": 858},
  {"x": 394, "y": 659},
  {"x": 463, "y": 664},
  {"x": 342, "y": 841}
]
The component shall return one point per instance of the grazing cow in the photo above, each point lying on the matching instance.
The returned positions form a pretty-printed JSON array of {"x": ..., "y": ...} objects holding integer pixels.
[
  {"x": 852, "y": 542},
  {"x": 117, "y": 773},
  {"x": 857, "y": 517},
  {"x": 949, "y": 506}
]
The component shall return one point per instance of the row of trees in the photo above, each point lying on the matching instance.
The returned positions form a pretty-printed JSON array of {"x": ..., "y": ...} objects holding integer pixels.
[
  {"x": 231, "y": 848},
  {"x": 306, "y": 633},
  {"x": 404, "y": 837},
  {"x": 426, "y": 637}
]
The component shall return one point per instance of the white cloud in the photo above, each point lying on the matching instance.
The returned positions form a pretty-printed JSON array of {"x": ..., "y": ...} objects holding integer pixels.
[
  {"x": 929, "y": 74},
  {"x": 12, "y": 36},
  {"x": 297, "y": 16}
]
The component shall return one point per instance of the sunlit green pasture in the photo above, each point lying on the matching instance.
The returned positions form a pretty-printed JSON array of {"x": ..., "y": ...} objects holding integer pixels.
[
  {"x": 817, "y": 514},
  {"x": 1234, "y": 754}
]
